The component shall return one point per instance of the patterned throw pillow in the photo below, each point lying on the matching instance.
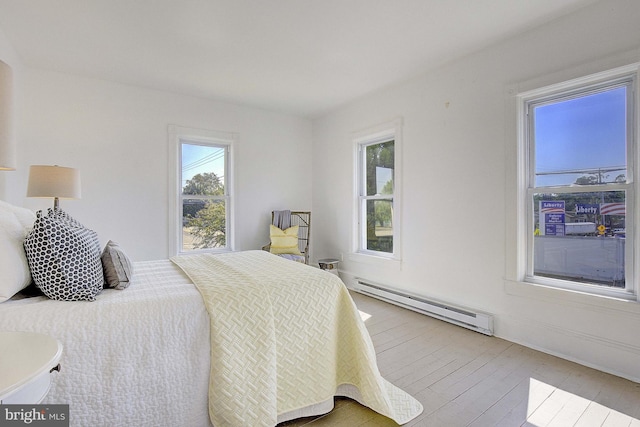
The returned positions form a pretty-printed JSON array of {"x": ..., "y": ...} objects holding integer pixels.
[
  {"x": 284, "y": 241},
  {"x": 64, "y": 257},
  {"x": 117, "y": 266}
]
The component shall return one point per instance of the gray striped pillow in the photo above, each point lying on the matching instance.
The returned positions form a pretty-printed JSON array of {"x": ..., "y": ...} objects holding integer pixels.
[{"x": 117, "y": 266}]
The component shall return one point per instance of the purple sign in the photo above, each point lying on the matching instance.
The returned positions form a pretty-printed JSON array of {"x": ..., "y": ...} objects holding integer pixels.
[
  {"x": 585, "y": 208},
  {"x": 554, "y": 229},
  {"x": 551, "y": 207},
  {"x": 552, "y": 217}
]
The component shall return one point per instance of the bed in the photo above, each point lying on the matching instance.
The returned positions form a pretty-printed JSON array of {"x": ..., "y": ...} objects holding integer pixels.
[
  {"x": 243, "y": 338},
  {"x": 132, "y": 357}
]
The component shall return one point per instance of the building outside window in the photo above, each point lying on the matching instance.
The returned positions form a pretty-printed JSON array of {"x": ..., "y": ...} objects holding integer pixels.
[
  {"x": 577, "y": 156},
  {"x": 202, "y": 191},
  {"x": 377, "y": 179}
]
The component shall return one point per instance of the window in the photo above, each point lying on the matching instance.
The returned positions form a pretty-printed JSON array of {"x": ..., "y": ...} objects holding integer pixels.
[
  {"x": 377, "y": 182},
  {"x": 202, "y": 190},
  {"x": 577, "y": 157}
]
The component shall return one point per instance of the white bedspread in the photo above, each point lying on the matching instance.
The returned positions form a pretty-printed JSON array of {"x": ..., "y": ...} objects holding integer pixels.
[
  {"x": 285, "y": 336},
  {"x": 136, "y": 357}
]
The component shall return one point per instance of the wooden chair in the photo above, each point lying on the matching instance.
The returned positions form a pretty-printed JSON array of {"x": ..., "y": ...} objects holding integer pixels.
[{"x": 303, "y": 221}]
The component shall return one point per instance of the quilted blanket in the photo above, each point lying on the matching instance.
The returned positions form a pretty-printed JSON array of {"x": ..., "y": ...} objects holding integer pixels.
[
  {"x": 134, "y": 357},
  {"x": 285, "y": 336}
]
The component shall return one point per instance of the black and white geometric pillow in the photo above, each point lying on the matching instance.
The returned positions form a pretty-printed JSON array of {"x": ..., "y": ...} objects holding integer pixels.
[{"x": 64, "y": 257}]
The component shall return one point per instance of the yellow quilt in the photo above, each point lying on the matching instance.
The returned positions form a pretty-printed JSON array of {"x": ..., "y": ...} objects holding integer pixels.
[{"x": 284, "y": 336}]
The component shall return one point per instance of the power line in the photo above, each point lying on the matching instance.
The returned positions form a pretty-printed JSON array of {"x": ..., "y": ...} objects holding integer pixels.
[{"x": 203, "y": 161}]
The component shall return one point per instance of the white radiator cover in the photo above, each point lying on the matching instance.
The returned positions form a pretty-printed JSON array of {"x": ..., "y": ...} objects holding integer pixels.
[{"x": 465, "y": 317}]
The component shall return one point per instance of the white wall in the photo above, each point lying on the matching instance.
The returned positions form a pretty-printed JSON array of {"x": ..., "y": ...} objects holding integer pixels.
[
  {"x": 117, "y": 136},
  {"x": 459, "y": 173}
]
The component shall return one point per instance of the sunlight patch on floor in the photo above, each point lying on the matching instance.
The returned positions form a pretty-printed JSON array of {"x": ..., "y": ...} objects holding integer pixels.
[
  {"x": 364, "y": 316},
  {"x": 551, "y": 406}
]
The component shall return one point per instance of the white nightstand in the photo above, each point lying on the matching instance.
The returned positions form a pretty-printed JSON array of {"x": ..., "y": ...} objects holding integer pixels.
[
  {"x": 26, "y": 362},
  {"x": 330, "y": 265}
]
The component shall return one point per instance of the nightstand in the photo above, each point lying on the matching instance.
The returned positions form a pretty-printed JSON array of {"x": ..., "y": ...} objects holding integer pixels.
[{"x": 26, "y": 362}]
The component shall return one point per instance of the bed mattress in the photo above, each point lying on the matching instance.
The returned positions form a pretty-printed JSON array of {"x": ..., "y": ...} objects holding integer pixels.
[{"x": 157, "y": 372}]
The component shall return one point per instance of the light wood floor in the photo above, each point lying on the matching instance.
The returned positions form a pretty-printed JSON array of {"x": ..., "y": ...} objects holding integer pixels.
[{"x": 463, "y": 378}]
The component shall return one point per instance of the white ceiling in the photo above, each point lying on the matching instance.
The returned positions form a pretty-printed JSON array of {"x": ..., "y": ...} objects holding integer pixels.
[{"x": 298, "y": 56}]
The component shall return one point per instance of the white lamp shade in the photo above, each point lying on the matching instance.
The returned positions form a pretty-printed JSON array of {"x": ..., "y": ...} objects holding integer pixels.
[
  {"x": 7, "y": 144},
  {"x": 53, "y": 181}
]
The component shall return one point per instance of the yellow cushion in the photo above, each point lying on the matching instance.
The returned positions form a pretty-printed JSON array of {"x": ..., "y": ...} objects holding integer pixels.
[{"x": 284, "y": 241}]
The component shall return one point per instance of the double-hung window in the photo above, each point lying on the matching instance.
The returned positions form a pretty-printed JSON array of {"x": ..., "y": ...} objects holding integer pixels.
[
  {"x": 202, "y": 187},
  {"x": 377, "y": 183},
  {"x": 578, "y": 152}
]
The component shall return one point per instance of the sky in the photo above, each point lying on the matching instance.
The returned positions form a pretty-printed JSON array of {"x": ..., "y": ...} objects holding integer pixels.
[
  {"x": 383, "y": 175},
  {"x": 200, "y": 159},
  {"x": 580, "y": 134}
]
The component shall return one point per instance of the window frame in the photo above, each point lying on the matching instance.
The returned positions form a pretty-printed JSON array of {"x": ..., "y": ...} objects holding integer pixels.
[
  {"x": 177, "y": 137},
  {"x": 596, "y": 83},
  {"x": 390, "y": 131}
]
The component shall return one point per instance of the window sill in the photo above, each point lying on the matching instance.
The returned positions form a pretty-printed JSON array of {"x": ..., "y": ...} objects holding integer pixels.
[{"x": 205, "y": 251}]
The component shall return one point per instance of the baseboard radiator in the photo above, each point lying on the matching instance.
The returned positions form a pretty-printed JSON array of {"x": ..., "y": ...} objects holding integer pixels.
[{"x": 470, "y": 319}]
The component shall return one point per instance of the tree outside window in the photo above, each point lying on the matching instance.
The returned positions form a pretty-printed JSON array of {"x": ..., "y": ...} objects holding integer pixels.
[{"x": 204, "y": 220}]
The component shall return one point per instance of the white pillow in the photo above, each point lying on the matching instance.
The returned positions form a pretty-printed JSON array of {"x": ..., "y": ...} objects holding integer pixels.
[{"x": 15, "y": 223}]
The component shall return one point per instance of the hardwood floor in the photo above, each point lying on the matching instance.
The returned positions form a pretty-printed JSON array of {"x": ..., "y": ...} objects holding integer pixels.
[{"x": 463, "y": 378}]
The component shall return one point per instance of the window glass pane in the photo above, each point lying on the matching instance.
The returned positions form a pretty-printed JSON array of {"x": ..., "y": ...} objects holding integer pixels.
[
  {"x": 379, "y": 225},
  {"x": 379, "y": 168},
  {"x": 202, "y": 174},
  {"x": 581, "y": 140},
  {"x": 203, "y": 169},
  {"x": 580, "y": 237},
  {"x": 203, "y": 224}
]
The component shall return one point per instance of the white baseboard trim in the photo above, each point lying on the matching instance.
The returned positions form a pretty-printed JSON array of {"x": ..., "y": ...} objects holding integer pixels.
[{"x": 623, "y": 358}]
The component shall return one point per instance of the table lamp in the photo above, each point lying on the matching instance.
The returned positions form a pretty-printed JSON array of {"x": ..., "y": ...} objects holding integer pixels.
[{"x": 53, "y": 181}]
